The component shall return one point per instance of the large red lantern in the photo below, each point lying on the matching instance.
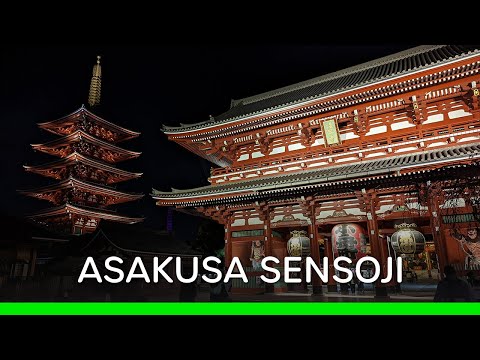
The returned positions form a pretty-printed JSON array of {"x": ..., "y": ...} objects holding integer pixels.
[{"x": 349, "y": 240}]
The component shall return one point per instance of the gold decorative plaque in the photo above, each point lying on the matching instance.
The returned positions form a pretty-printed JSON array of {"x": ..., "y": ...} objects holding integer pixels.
[{"x": 331, "y": 134}]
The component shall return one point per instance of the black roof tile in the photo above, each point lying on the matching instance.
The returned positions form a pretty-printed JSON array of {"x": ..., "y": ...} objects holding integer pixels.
[
  {"x": 370, "y": 72},
  {"x": 331, "y": 173}
]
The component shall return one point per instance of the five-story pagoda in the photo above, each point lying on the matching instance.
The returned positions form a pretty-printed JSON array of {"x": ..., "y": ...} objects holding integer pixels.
[{"x": 86, "y": 171}]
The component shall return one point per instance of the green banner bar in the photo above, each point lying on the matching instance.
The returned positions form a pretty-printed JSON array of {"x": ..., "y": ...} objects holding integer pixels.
[{"x": 240, "y": 308}]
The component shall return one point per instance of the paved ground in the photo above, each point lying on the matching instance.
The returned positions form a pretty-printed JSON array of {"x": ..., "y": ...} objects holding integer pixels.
[
  {"x": 413, "y": 292},
  {"x": 409, "y": 293}
]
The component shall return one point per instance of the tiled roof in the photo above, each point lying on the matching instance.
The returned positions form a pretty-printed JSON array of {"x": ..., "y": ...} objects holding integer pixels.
[
  {"x": 86, "y": 211},
  {"x": 137, "y": 238},
  {"x": 389, "y": 165},
  {"x": 81, "y": 135},
  {"x": 401, "y": 63},
  {"x": 75, "y": 157},
  {"x": 51, "y": 125},
  {"x": 72, "y": 182}
]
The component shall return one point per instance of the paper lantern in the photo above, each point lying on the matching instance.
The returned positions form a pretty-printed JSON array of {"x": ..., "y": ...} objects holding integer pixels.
[
  {"x": 299, "y": 243},
  {"x": 349, "y": 240},
  {"x": 408, "y": 240}
]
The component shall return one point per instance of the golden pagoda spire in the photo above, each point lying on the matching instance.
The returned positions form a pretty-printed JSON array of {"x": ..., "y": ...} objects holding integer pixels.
[{"x": 95, "y": 84}]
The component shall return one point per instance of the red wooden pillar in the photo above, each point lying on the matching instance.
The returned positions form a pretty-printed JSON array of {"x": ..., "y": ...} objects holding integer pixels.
[
  {"x": 384, "y": 252},
  {"x": 378, "y": 246},
  {"x": 268, "y": 242},
  {"x": 228, "y": 239},
  {"x": 438, "y": 232},
  {"x": 315, "y": 253},
  {"x": 268, "y": 232},
  {"x": 332, "y": 284}
]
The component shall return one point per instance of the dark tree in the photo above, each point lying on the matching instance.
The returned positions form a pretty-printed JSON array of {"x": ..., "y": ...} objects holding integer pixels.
[{"x": 210, "y": 237}]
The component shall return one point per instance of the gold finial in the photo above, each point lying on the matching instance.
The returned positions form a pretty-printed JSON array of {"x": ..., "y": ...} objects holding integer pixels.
[{"x": 95, "y": 84}]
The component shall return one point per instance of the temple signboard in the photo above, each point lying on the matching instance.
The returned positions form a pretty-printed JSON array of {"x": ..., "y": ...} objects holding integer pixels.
[{"x": 331, "y": 134}]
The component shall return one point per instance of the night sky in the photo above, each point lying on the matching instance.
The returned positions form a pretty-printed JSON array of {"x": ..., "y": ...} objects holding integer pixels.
[{"x": 142, "y": 88}]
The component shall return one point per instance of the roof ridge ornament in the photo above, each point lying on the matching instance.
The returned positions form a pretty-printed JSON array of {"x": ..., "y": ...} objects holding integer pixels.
[{"x": 95, "y": 84}]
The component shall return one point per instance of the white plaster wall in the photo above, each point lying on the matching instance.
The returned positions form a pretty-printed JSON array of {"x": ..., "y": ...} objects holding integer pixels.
[
  {"x": 277, "y": 218},
  {"x": 458, "y": 113},
  {"x": 433, "y": 119},
  {"x": 355, "y": 211},
  {"x": 325, "y": 214},
  {"x": 300, "y": 217},
  {"x": 257, "y": 154},
  {"x": 295, "y": 147},
  {"x": 351, "y": 158},
  {"x": 318, "y": 142},
  {"x": 293, "y": 168},
  {"x": 438, "y": 143},
  {"x": 278, "y": 150},
  {"x": 383, "y": 209},
  {"x": 469, "y": 138},
  {"x": 239, "y": 222},
  {"x": 243, "y": 157},
  {"x": 270, "y": 172},
  {"x": 310, "y": 165},
  {"x": 348, "y": 136},
  {"x": 401, "y": 125},
  {"x": 375, "y": 154},
  {"x": 377, "y": 130},
  {"x": 255, "y": 221},
  {"x": 410, "y": 148}
]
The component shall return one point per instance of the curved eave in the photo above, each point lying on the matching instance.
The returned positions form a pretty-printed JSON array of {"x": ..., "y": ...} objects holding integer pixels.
[
  {"x": 88, "y": 212},
  {"x": 47, "y": 125},
  {"x": 208, "y": 126},
  {"x": 83, "y": 185},
  {"x": 75, "y": 136},
  {"x": 149, "y": 252},
  {"x": 326, "y": 176},
  {"x": 274, "y": 191},
  {"x": 220, "y": 161},
  {"x": 76, "y": 157},
  {"x": 58, "y": 185},
  {"x": 168, "y": 129},
  {"x": 164, "y": 196}
]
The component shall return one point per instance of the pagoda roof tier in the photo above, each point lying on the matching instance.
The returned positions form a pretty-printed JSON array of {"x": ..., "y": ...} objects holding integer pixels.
[
  {"x": 94, "y": 213},
  {"x": 62, "y": 147},
  {"x": 55, "y": 168},
  {"x": 325, "y": 177},
  {"x": 70, "y": 123},
  {"x": 75, "y": 184},
  {"x": 354, "y": 78}
]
